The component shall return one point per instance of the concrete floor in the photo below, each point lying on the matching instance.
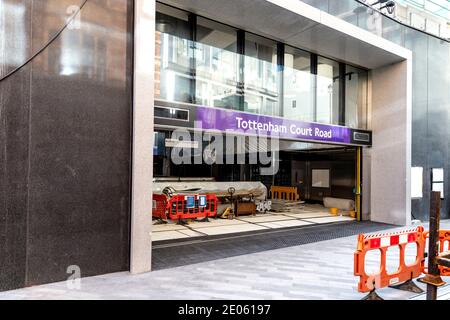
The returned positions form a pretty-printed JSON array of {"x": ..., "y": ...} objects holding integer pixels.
[
  {"x": 322, "y": 270},
  {"x": 301, "y": 215}
]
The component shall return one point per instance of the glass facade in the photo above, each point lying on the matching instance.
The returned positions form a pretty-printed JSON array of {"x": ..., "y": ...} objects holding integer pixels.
[
  {"x": 430, "y": 92},
  {"x": 356, "y": 90},
  {"x": 217, "y": 64},
  {"x": 203, "y": 62},
  {"x": 327, "y": 91},
  {"x": 174, "y": 57},
  {"x": 440, "y": 8},
  {"x": 298, "y": 85},
  {"x": 261, "y": 76}
]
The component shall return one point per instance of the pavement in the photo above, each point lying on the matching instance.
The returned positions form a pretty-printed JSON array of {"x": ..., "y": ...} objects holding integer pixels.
[{"x": 314, "y": 271}]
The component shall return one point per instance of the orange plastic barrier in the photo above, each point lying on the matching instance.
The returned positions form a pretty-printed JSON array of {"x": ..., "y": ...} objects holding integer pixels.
[
  {"x": 444, "y": 238},
  {"x": 284, "y": 193},
  {"x": 381, "y": 242}
]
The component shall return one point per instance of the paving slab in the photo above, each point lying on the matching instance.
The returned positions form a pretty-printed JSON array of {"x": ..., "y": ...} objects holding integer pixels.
[
  {"x": 265, "y": 218},
  {"x": 191, "y": 233},
  {"x": 216, "y": 223},
  {"x": 246, "y": 227},
  {"x": 168, "y": 235},
  {"x": 329, "y": 219},
  {"x": 307, "y": 215},
  {"x": 167, "y": 227},
  {"x": 285, "y": 224},
  {"x": 317, "y": 270}
]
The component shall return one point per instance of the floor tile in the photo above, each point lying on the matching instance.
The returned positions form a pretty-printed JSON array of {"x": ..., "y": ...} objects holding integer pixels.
[
  {"x": 232, "y": 229},
  {"x": 285, "y": 224},
  {"x": 168, "y": 235},
  {"x": 330, "y": 219}
]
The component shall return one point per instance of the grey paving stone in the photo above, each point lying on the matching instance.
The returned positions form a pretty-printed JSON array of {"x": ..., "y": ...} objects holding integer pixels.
[{"x": 310, "y": 271}]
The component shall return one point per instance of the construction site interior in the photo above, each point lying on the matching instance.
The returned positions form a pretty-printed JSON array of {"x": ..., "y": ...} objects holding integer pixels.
[{"x": 313, "y": 184}]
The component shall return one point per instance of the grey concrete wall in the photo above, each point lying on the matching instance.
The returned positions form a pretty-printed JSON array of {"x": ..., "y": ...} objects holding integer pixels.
[{"x": 391, "y": 152}]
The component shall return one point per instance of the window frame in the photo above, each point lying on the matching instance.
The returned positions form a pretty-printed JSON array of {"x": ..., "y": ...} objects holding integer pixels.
[
  {"x": 438, "y": 181},
  {"x": 240, "y": 50}
]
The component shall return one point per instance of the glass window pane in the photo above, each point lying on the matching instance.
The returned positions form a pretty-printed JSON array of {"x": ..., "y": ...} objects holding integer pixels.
[
  {"x": 174, "y": 54},
  {"x": 439, "y": 187},
  {"x": 261, "y": 76},
  {"x": 298, "y": 88},
  {"x": 438, "y": 175},
  {"x": 356, "y": 98},
  {"x": 327, "y": 91},
  {"x": 217, "y": 65}
]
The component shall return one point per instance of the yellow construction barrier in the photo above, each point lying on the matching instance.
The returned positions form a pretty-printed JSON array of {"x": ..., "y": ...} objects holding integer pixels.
[{"x": 284, "y": 193}]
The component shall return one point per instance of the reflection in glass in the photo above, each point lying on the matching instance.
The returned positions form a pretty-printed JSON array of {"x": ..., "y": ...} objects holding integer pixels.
[
  {"x": 171, "y": 113},
  {"x": 327, "y": 91},
  {"x": 174, "y": 54},
  {"x": 232, "y": 69},
  {"x": 217, "y": 65},
  {"x": 298, "y": 100},
  {"x": 356, "y": 97},
  {"x": 261, "y": 76},
  {"x": 13, "y": 45},
  {"x": 71, "y": 51}
]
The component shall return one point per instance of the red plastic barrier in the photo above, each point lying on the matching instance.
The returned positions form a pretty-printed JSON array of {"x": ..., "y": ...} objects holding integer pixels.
[
  {"x": 178, "y": 206},
  {"x": 159, "y": 210}
]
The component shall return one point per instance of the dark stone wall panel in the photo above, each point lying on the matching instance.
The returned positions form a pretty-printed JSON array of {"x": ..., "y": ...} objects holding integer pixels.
[
  {"x": 65, "y": 144},
  {"x": 15, "y": 46},
  {"x": 14, "y": 120},
  {"x": 79, "y": 179},
  {"x": 80, "y": 147}
]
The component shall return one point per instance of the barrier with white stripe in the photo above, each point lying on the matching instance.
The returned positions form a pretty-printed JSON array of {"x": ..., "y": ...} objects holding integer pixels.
[
  {"x": 376, "y": 241},
  {"x": 382, "y": 242}
]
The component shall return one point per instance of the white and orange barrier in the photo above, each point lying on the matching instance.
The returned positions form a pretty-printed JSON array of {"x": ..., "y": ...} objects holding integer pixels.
[
  {"x": 382, "y": 242},
  {"x": 444, "y": 245}
]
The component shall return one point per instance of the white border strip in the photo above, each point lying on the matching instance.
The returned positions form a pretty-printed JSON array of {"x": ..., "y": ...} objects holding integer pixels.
[{"x": 143, "y": 124}]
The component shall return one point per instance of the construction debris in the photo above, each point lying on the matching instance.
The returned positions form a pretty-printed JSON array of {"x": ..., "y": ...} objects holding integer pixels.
[
  {"x": 286, "y": 206},
  {"x": 256, "y": 190}
]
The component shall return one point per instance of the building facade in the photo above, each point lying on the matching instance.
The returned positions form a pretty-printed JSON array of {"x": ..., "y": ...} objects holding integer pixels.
[
  {"x": 432, "y": 16},
  {"x": 91, "y": 93}
]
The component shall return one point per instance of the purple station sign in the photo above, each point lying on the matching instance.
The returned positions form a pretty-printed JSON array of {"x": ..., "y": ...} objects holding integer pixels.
[{"x": 229, "y": 120}]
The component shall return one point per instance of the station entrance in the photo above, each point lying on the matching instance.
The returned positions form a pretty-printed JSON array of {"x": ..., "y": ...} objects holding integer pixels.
[{"x": 312, "y": 184}]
